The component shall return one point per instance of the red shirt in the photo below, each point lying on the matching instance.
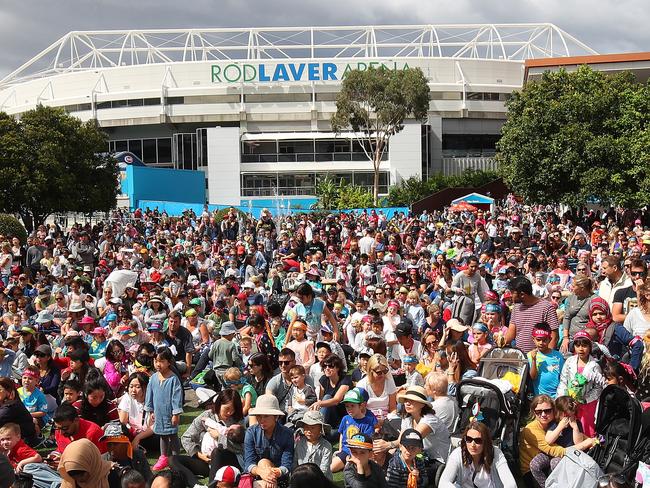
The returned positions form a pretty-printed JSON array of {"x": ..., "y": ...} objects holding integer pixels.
[
  {"x": 19, "y": 452},
  {"x": 87, "y": 430}
]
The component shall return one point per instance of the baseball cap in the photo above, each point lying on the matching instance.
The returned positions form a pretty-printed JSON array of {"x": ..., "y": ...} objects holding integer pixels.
[
  {"x": 411, "y": 438},
  {"x": 353, "y": 396},
  {"x": 360, "y": 441},
  {"x": 404, "y": 328},
  {"x": 227, "y": 474}
]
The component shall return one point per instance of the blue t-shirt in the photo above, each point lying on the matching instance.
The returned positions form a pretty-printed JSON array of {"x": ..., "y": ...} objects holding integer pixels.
[
  {"x": 312, "y": 315},
  {"x": 34, "y": 402},
  {"x": 350, "y": 426},
  {"x": 549, "y": 367}
]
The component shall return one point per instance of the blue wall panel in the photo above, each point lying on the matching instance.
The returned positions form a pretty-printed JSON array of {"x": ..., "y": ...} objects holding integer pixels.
[{"x": 162, "y": 184}]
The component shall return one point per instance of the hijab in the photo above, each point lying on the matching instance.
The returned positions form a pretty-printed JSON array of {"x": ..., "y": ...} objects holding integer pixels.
[
  {"x": 599, "y": 304},
  {"x": 83, "y": 455}
]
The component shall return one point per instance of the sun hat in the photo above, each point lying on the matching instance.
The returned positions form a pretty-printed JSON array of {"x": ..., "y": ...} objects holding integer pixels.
[
  {"x": 27, "y": 330},
  {"x": 195, "y": 301},
  {"x": 111, "y": 317},
  {"x": 415, "y": 393},
  {"x": 314, "y": 417},
  {"x": 115, "y": 301},
  {"x": 156, "y": 299},
  {"x": 249, "y": 284},
  {"x": 411, "y": 438},
  {"x": 353, "y": 396},
  {"x": 360, "y": 441},
  {"x": 266, "y": 405},
  {"x": 242, "y": 297},
  {"x": 228, "y": 328},
  {"x": 130, "y": 285},
  {"x": 98, "y": 331},
  {"x": 125, "y": 330},
  {"x": 454, "y": 324},
  {"x": 205, "y": 396},
  {"x": 113, "y": 432},
  {"x": 326, "y": 329},
  {"x": 191, "y": 312},
  {"x": 226, "y": 474},
  {"x": 76, "y": 308},
  {"x": 155, "y": 327},
  {"x": 87, "y": 320},
  {"x": 44, "y": 317},
  {"x": 365, "y": 351}
]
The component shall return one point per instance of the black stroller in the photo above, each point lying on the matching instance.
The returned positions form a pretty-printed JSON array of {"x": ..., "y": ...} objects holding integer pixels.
[
  {"x": 500, "y": 410},
  {"x": 619, "y": 422}
]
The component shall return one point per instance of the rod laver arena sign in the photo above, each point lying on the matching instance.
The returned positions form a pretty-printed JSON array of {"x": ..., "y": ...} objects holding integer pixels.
[{"x": 292, "y": 72}]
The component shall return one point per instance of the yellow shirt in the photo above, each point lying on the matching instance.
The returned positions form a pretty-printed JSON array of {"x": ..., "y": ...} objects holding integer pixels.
[{"x": 532, "y": 442}]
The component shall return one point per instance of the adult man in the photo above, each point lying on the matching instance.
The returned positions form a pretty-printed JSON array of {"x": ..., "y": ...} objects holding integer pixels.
[
  {"x": 366, "y": 242},
  {"x": 84, "y": 251},
  {"x": 69, "y": 427},
  {"x": 614, "y": 280},
  {"x": 445, "y": 406},
  {"x": 626, "y": 298},
  {"x": 528, "y": 311},
  {"x": 180, "y": 342},
  {"x": 280, "y": 385}
]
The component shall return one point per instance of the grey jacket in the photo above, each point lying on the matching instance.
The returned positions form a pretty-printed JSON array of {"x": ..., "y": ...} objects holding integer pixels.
[
  {"x": 321, "y": 455},
  {"x": 191, "y": 439}
]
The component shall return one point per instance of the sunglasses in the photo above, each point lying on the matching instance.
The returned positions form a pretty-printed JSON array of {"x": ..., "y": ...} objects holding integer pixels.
[
  {"x": 328, "y": 366},
  {"x": 636, "y": 273},
  {"x": 475, "y": 440},
  {"x": 380, "y": 372},
  {"x": 543, "y": 411},
  {"x": 40, "y": 355},
  {"x": 431, "y": 343},
  {"x": 556, "y": 297},
  {"x": 285, "y": 362}
]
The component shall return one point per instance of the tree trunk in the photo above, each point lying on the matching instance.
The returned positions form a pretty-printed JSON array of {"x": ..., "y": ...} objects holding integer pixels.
[
  {"x": 28, "y": 221},
  {"x": 375, "y": 185}
]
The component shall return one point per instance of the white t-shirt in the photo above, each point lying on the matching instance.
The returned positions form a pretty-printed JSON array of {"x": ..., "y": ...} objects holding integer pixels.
[
  {"x": 636, "y": 323},
  {"x": 378, "y": 404},
  {"x": 135, "y": 410}
]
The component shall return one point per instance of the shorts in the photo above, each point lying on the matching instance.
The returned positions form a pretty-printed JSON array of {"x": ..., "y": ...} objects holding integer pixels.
[{"x": 343, "y": 456}]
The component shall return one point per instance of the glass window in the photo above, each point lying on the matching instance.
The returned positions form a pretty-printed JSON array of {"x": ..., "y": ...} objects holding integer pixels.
[
  {"x": 151, "y": 101},
  {"x": 259, "y": 147},
  {"x": 326, "y": 97},
  {"x": 164, "y": 149},
  {"x": 135, "y": 146},
  {"x": 118, "y": 103},
  {"x": 175, "y": 100},
  {"x": 149, "y": 151},
  {"x": 136, "y": 102},
  {"x": 188, "y": 151},
  {"x": 295, "y": 147},
  {"x": 277, "y": 97},
  {"x": 102, "y": 105},
  {"x": 121, "y": 146}
]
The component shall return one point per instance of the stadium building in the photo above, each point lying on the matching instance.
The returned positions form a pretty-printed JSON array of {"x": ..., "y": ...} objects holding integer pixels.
[{"x": 250, "y": 108}]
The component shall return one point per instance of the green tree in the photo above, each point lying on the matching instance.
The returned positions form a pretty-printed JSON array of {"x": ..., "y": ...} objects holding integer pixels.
[
  {"x": 375, "y": 103},
  {"x": 52, "y": 162},
  {"x": 578, "y": 137}
]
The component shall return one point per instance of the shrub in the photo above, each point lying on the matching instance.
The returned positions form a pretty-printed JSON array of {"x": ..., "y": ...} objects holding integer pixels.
[
  {"x": 10, "y": 226},
  {"x": 220, "y": 214}
]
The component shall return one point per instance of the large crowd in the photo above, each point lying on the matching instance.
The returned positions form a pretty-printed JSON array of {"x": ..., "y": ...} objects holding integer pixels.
[{"x": 316, "y": 344}]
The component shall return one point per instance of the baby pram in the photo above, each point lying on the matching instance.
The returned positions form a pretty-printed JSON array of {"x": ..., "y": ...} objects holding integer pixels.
[
  {"x": 499, "y": 401},
  {"x": 619, "y": 422}
]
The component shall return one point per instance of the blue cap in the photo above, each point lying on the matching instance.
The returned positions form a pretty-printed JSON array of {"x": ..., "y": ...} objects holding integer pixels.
[{"x": 111, "y": 317}]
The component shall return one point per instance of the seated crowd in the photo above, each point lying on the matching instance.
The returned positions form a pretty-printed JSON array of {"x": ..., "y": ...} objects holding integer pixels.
[{"x": 313, "y": 346}]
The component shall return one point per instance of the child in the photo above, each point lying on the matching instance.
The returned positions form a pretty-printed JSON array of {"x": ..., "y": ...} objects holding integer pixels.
[
  {"x": 12, "y": 446},
  {"x": 33, "y": 398},
  {"x": 301, "y": 395},
  {"x": 304, "y": 349},
  {"x": 323, "y": 349},
  {"x": 358, "y": 420},
  {"x": 157, "y": 336},
  {"x": 279, "y": 331},
  {"x": 413, "y": 378},
  {"x": 406, "y": 468},
  {"x": 99, "y": 343},
  {"x": 311, "y": 446},
  {"x": 246, "y": 347},
  {"x": 582, "y": 379},
  {"x": 360, "y": 471},
  {"x": 480, "y": 346},
  {"x": 234, "y": 379},
  {"x": 226, "y": 477},
  {"x": 72, "y": 392},
  {"x": 164, "y": 399},
  {"x": 545, "y": 363},
  {"x": 621, "y": 374},
  {"x": 360, "y": 371},
  {"x": 567, "y": 431}
]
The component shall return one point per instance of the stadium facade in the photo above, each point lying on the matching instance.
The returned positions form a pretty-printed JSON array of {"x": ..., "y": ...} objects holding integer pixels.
[{"x": 251, "y": 107}]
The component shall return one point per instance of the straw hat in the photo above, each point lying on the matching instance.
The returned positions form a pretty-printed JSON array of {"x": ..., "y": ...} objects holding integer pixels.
[
  {"x": 415, "y": 394},
  {"x": 266, "y": 405}
]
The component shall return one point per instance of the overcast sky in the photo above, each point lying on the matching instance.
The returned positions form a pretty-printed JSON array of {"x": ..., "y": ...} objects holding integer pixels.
[{"x": 28, "y": 26}]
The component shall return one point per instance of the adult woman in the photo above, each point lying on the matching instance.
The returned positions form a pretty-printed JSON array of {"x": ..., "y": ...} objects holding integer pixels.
[
  {"x": 115, "y": 369},
  {"x": 430, "y": 343},
  {"x": 82, "y": 466},
  {"x": 419, "y": 415},
  {"x": 240, "y": 312},
  {"x": 131, "y": 411},
  {"x": 79, "y": 369},
  {"x": 434, "y": 319},
  {"x": 638, "y": 318},
  {"x": 130, "y": 296},
  {"x": 476, "y": 462},
  {"x": 13, "y": 410},
  {"x": 268, "y": 447},
  {"x": 535, "y": 468},
  {"x": 6, "y": 259},
  {"x": 460, "y": 365},
  {"x": 156, "y": 312},
  {"x": 198, "y": 329},
  {"x": 334, "y": 384},
  {"x": 380, "y": 386},
  {"x": 60, "y": 308},
  {"x": 576, "y": 314},
  {"x": 226, "y": 412},
  {"x": 50, "y": 374},
  {"x": 259, "y": 366},
  {"x": 96, "y": 404}
]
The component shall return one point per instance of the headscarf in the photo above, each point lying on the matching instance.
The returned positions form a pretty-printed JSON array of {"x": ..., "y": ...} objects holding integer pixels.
[
  {"x": 599, "y": 304},
  {"x": 83, "y": 455}
]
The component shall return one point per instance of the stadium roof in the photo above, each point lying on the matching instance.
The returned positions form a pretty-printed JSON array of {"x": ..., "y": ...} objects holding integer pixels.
[{"x": 91, "y": 50}]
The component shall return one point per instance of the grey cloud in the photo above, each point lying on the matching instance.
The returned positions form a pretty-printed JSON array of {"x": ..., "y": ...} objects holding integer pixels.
[{"x": 30, "y": 26}]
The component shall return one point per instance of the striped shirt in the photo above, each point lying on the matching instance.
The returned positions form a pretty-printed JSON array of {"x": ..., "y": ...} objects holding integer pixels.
[{"x": 524, "y": 317}]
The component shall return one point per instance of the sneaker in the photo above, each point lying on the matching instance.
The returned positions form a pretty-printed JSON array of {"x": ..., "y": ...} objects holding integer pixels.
[{"x": 161, "y": 463}]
